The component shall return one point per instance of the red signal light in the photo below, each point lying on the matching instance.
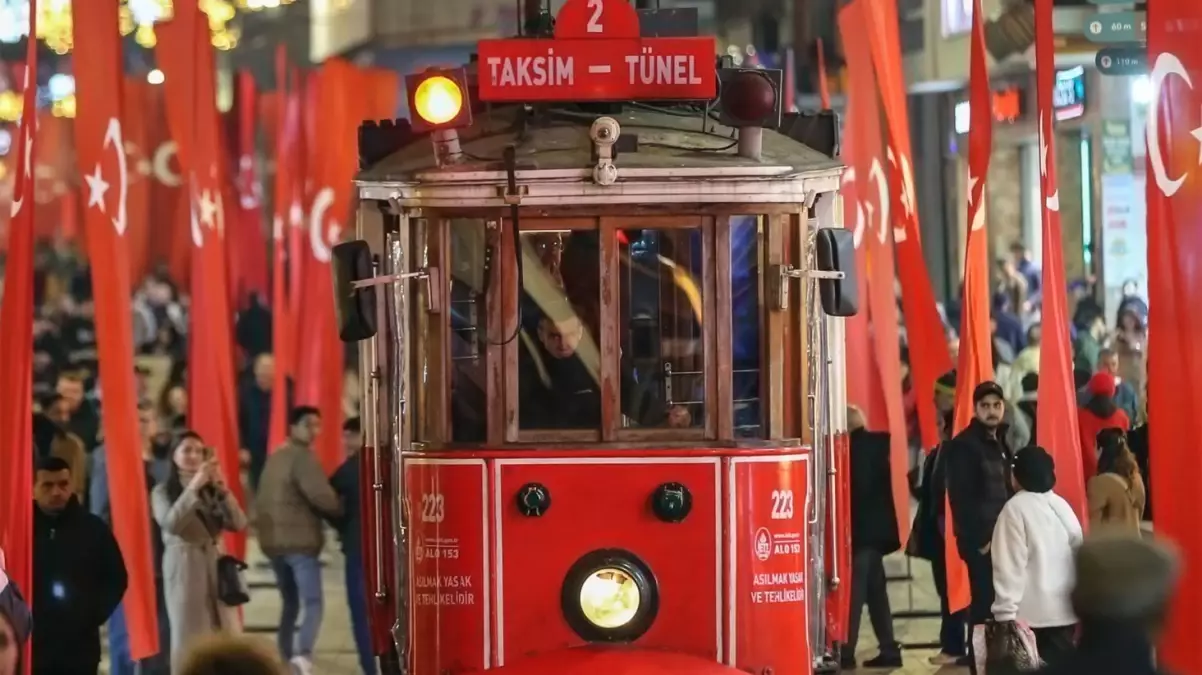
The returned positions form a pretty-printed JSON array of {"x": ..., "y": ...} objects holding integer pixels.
[{"x": 750, "y": 97}]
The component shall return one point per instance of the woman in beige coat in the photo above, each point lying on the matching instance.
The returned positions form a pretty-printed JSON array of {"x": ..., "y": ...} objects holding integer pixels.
[
  {"x": 193, "y": 508},
  {"x": 1116, "y": 495}
]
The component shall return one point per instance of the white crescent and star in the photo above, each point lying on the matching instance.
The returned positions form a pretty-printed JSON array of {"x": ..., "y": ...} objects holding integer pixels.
[
  {"x": 876, "y": 175},
  {"x": 98, "y": 186},
  {"x": 907, "y": 191},
  {"x": 321, "y": 203},
  {"x": 975, "y": 208},
  {"x": 1053, "y": 201},
  {"x": 27, "y": 148},
  {"x": 1166, "y": 65}
]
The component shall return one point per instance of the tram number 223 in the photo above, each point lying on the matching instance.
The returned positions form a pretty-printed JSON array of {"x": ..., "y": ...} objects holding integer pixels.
[
  {"x": 782, "y": 504},
  {"x": 433, "y": 507}
]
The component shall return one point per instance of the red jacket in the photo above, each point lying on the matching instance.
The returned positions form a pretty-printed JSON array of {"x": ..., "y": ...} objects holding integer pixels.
[{"x": 1091, "y": 422}]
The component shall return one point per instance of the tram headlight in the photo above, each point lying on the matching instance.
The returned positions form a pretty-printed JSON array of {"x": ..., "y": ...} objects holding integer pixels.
[
  {"x": 438, "y": 99},
  {"x": 610, "y": 595}
]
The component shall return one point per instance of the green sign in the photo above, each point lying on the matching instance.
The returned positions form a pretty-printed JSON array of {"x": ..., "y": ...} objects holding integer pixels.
[
  {"x": 1122, "y": 61},
  {"x": 1111, "y": 27}
]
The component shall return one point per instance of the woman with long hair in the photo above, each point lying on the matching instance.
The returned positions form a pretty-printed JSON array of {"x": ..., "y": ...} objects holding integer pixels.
[
  {"x": 1116, "y": 495},
  {"x": 194, "y": 507}
]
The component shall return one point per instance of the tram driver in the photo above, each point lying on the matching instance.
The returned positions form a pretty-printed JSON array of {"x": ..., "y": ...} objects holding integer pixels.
[{"x": 559, "y": 379}]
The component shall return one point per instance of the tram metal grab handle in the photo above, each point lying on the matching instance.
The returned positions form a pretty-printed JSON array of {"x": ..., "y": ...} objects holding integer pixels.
[{"x": 431, "y": 275}]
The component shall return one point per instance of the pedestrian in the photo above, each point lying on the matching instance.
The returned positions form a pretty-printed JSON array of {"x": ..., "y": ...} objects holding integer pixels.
[
  {"x": 1033, "y": 545},
  {"x": 15, "y": 622},
  {"x": 978, "y": 486},
  {"x": 194, "y": 507},
  {"x": 294, "y": 496},
  {"x": 1116, "y": 495},
  {"x": 347, "y": 484},
  {"x": 78, "y": 576},
  {"x": 1099, "y": 413},
  {"x": 927, "y": 543},
  {"x": 230, "y": 655},
  {"x": 1121, "y": 599},
  {"x": 873, "y": 536}
]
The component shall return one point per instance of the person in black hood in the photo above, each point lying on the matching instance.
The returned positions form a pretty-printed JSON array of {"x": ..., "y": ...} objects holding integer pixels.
[
  {"x": 978, "y": 485},
  {"x": 873, "y": 536},
  {"x": 79, "y": 576},
  {"x": 1122, "y": 594}
]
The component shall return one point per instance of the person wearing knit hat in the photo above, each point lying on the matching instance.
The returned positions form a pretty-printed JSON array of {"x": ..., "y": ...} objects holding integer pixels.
[
  {"x": 1033, "y": 546},
  {"x": 945, "y": 391},
  {"x": 978, "y": 485},
  {"x": 1121, "y": 598},
  {"x": 1101, "y": 412}
]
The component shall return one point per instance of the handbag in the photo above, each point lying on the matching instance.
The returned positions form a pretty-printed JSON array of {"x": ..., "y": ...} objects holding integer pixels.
[
  {"x": 1005, "y": 648},
  {"x": 232, "y": 589}
]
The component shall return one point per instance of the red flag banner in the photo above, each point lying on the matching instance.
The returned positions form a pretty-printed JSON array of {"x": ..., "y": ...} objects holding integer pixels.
[
  {"x": 248, "y": 241},
  {"x": 100, "y": 147},
  {"x": 16, "y": 343},
  {"x": 1175, "y": 287},
  {"x": 287, "y": 151},
  {"x": 929, "y": 356},
  {"x": 875, "y": 239},
  {"x": 1057, "y": 410},
  {"x": 187, "y": 62},
  {"x": 976, "y": 341}
]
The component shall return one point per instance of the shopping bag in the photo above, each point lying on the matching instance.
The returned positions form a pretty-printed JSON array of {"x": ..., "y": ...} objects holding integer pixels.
[{"x": 1005, "y": 648}]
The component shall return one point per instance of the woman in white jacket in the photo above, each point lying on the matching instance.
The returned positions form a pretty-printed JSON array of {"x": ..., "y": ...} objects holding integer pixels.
[{"x": 1033, "y": 547}]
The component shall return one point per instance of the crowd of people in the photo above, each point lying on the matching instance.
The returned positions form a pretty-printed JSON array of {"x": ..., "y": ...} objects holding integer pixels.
[
  {"x": 1014, "y": 535},
  {"x": 292, "y": 501}
]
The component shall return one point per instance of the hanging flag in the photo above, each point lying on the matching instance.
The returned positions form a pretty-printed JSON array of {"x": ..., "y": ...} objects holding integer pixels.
[
  {"x": 135, "y": 106},
  {"x": 824, "y": 88},
  {"x": 287, "y": 147},
  {"x": 248, "y": 244},
  {"x": 16, "y": 343},
  {"x": 874, "y": 236},
  {"x": 1174, "y": 184},
  {"x": 976, "y": 334},
  {"x": 1057, "y": 410},
  {"x": 192, "y": 113},
  {"x": 925, "y": 334},
  {"x": 100, "y": 148}
]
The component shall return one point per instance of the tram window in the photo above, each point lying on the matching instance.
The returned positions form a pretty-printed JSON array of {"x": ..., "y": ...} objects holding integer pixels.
[
  {"x": 558, "y": 353},
  {"x": 468, "y": 331},
  {"x": 745, "y": 327},
  {"x": 660, "y": 328}
]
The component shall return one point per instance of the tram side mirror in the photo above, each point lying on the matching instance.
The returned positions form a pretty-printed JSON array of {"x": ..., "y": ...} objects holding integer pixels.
[
  {"x": 836, "y": 252},
  {"x": 355, "y": 307}
]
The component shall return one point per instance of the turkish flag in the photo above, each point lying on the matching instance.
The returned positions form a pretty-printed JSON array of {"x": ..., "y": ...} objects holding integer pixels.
[
  {"x": 136, "y": 94},
  {"x": 874, "y": 238},
  {"x": 286, "y": 203},
  {"x": 929, "y": 356},
  {"x": 976, "y": 333},
  {"x": 1057, "y": 410},
  {"x": 192, "y": 114},
  {"x": 248, "y": 244},
  {"x": 1175, "y": 289},
  {"x": 100, "y": 147},
  {"x": 16, "y": 343}
]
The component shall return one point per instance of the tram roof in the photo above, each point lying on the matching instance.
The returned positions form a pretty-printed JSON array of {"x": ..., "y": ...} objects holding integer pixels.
[{"x": 558, "y": 139}]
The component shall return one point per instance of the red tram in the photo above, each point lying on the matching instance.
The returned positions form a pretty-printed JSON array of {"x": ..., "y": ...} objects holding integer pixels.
[{"x": 600, "y": 337}]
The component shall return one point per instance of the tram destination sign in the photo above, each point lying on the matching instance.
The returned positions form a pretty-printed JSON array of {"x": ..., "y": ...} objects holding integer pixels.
[
  {"x": 597, "y": 54},
  {"x": 1122, "y": 60},
  {"x": 1112, "y": 27}
]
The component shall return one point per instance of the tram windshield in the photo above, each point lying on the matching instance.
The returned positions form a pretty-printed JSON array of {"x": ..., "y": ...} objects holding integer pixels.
[{"x": 610, "y": 329}]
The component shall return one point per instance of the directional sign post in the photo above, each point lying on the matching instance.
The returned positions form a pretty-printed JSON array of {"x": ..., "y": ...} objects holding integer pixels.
[
  {"x": 1122, "y": 60},
  {"x": 1112, "y": 27}
]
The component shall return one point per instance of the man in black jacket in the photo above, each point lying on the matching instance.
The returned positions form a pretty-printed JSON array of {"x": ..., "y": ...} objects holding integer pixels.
[
  {"x": 978, "y": 485},
  {"x": 873, "y": 536},
  {"x": 79, "y": 576}
]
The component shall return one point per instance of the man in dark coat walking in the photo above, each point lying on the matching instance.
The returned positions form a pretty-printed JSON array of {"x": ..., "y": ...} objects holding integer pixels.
[
  {"x": 873, "y": 536},
  {"x": 79, "y": 576},
  {"x": 978, "y": 485}
]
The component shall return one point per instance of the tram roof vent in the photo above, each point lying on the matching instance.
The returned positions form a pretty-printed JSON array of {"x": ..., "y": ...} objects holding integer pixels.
[{"x": 379, "y": 139}]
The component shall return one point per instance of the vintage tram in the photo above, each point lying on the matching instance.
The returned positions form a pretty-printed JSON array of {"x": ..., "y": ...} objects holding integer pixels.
[{"x": 601, "y": 347}]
